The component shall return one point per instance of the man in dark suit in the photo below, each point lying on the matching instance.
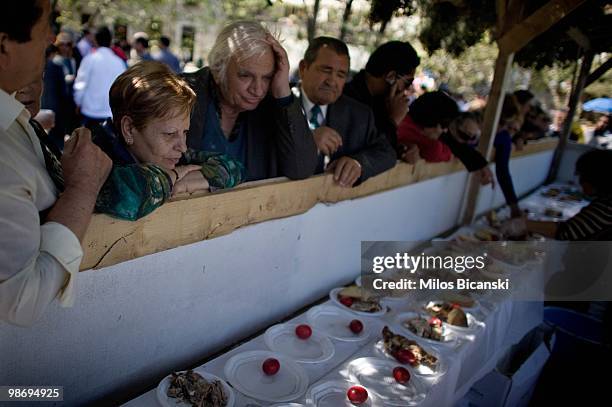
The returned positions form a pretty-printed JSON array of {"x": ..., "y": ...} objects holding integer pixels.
[{"x": 343, "y": 129}]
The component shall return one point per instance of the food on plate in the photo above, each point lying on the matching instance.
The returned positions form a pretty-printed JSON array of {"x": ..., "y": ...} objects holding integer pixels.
[
  {"x": 425, "y": 328},
  {"x": 356, "y": 326},
  {"x": 356, "y": 298},
  {"x": 270, "y": 366},
  {"x": 191, "y": 388},
  {"x": 486, "y": 235},
  {"x": 463, "y": 300},
  {"x": 357, "y": 395},
  {"x": 492, "y": 219},
  {"x": 450, "y": 313},
  {"x": 303, "y": 331},
  {"x": 407, "y": 351},
  {"x": 401, "y": 375}
]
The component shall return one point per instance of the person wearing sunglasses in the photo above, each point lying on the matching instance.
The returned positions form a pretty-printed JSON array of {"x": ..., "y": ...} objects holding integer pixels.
[{"x": 465, "y": 128}]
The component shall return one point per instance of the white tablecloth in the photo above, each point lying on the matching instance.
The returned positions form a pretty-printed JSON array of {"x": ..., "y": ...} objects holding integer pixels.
[{"x": 504, "y": 324}]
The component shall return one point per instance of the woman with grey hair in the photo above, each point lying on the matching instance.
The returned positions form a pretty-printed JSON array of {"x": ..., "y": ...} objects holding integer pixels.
[{"x": 245, "y": 107}]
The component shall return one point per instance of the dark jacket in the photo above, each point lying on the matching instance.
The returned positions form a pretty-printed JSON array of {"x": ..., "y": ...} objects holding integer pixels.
[
  {"x": 360, "y": 139},
  {"x": 279, "y": 142},
  {"x": 358, "y": 90}
]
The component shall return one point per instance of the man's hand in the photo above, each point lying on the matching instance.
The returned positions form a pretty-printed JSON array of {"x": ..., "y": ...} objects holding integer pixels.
[
  {"x": 327, "y": 140},
  {"x": 410, "y": 153},
  {"x": 346, "y": 170},
  {"x": 193, "y": 181},
  {"x": 486, "y": 177},
  {"x": 85, "y": 166},
  {"x": 397, "y": 103},
  {"x": 279, "y": 86}
]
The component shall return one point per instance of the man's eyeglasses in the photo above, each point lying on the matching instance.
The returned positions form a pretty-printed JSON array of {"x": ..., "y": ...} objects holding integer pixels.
[{"x": 406, "y": 79}]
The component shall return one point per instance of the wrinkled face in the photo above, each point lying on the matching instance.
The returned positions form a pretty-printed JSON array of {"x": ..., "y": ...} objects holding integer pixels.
[
  {"x": 26, "y": 61},
  {"x": 29, "y": 96},
  {"x": 162, "y": 141},
  {"x": 248, "y": 81},
  {"x": 324, "y": 79}
]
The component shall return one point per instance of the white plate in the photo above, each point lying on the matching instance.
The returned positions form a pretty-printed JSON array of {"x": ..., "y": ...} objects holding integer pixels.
[
  {"x": 379, "y": 349},
  {"x": 449, "y": 339},
  {"x": 164, "y": 400},
  {"x": 333, "y": 295},
  {"x": 317, "y": 348},
  {"x": 244, "y": 373},
  {"x": 333, "y": 394},
  {"x": 334, "y": 322},
  {"x": 377, "y": 375}
]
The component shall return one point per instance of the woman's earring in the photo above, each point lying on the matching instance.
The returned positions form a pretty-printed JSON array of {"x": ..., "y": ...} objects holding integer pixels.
[{"x": 129, "y": 140}]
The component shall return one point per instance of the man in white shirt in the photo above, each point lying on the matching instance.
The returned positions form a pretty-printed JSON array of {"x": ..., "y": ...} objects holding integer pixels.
[
  {"x": 95, "y": 77},
  {"x": 39, "y": 255}
]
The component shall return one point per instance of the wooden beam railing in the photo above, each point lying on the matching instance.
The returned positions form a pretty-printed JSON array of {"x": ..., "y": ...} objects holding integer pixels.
[
  {"x": 188, "y": 220},
  {"x": 537, "y": 23}
]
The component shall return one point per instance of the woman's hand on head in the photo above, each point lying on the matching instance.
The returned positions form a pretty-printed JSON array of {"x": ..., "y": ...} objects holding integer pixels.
[{"x": 280, "y": 82}]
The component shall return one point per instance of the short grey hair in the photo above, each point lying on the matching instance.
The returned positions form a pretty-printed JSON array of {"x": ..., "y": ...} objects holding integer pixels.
[{"x": 241, "y": 40}]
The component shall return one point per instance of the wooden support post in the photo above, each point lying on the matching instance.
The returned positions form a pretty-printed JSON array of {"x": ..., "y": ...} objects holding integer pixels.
[
  {"x": 503, "y": 68},
  {"x": 598, "y": 73},
  {"x": 585, "y": 68}
]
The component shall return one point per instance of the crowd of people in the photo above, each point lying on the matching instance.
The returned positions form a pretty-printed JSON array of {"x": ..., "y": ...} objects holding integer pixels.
[{"x": 149, "y": 133}]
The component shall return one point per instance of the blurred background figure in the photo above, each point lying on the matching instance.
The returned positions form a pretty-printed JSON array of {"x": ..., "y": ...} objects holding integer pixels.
[
  {"x": 140, "y": 49},
  {"x": 86, "y": 43},
  {"x": 576, "y": 132},
  {"x": 65, "y": 110},
  {"x": 166, "y": 56},
  {"x": 55, "y": 94},
  {"x": 94, "y": 79}
]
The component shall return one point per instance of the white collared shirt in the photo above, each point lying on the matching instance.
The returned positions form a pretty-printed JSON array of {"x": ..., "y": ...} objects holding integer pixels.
[
  {"x": 308, "y": 105},
  {"x": 37, "y": 262},
  {"x": 95, "y": 76}
]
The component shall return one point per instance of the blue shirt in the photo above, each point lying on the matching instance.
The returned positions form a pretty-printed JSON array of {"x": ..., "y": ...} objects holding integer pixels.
[
  {"x": 169, "y": 59},
  {"x": 214, "y": 140},
  {"x": 503, "y": 151}
]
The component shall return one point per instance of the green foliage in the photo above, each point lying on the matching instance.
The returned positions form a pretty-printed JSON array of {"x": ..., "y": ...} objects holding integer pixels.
[
  {"x": 469, "y": 73},
  {"x": 455, "y": 28},
  {"x": 383, "y": 10}
]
